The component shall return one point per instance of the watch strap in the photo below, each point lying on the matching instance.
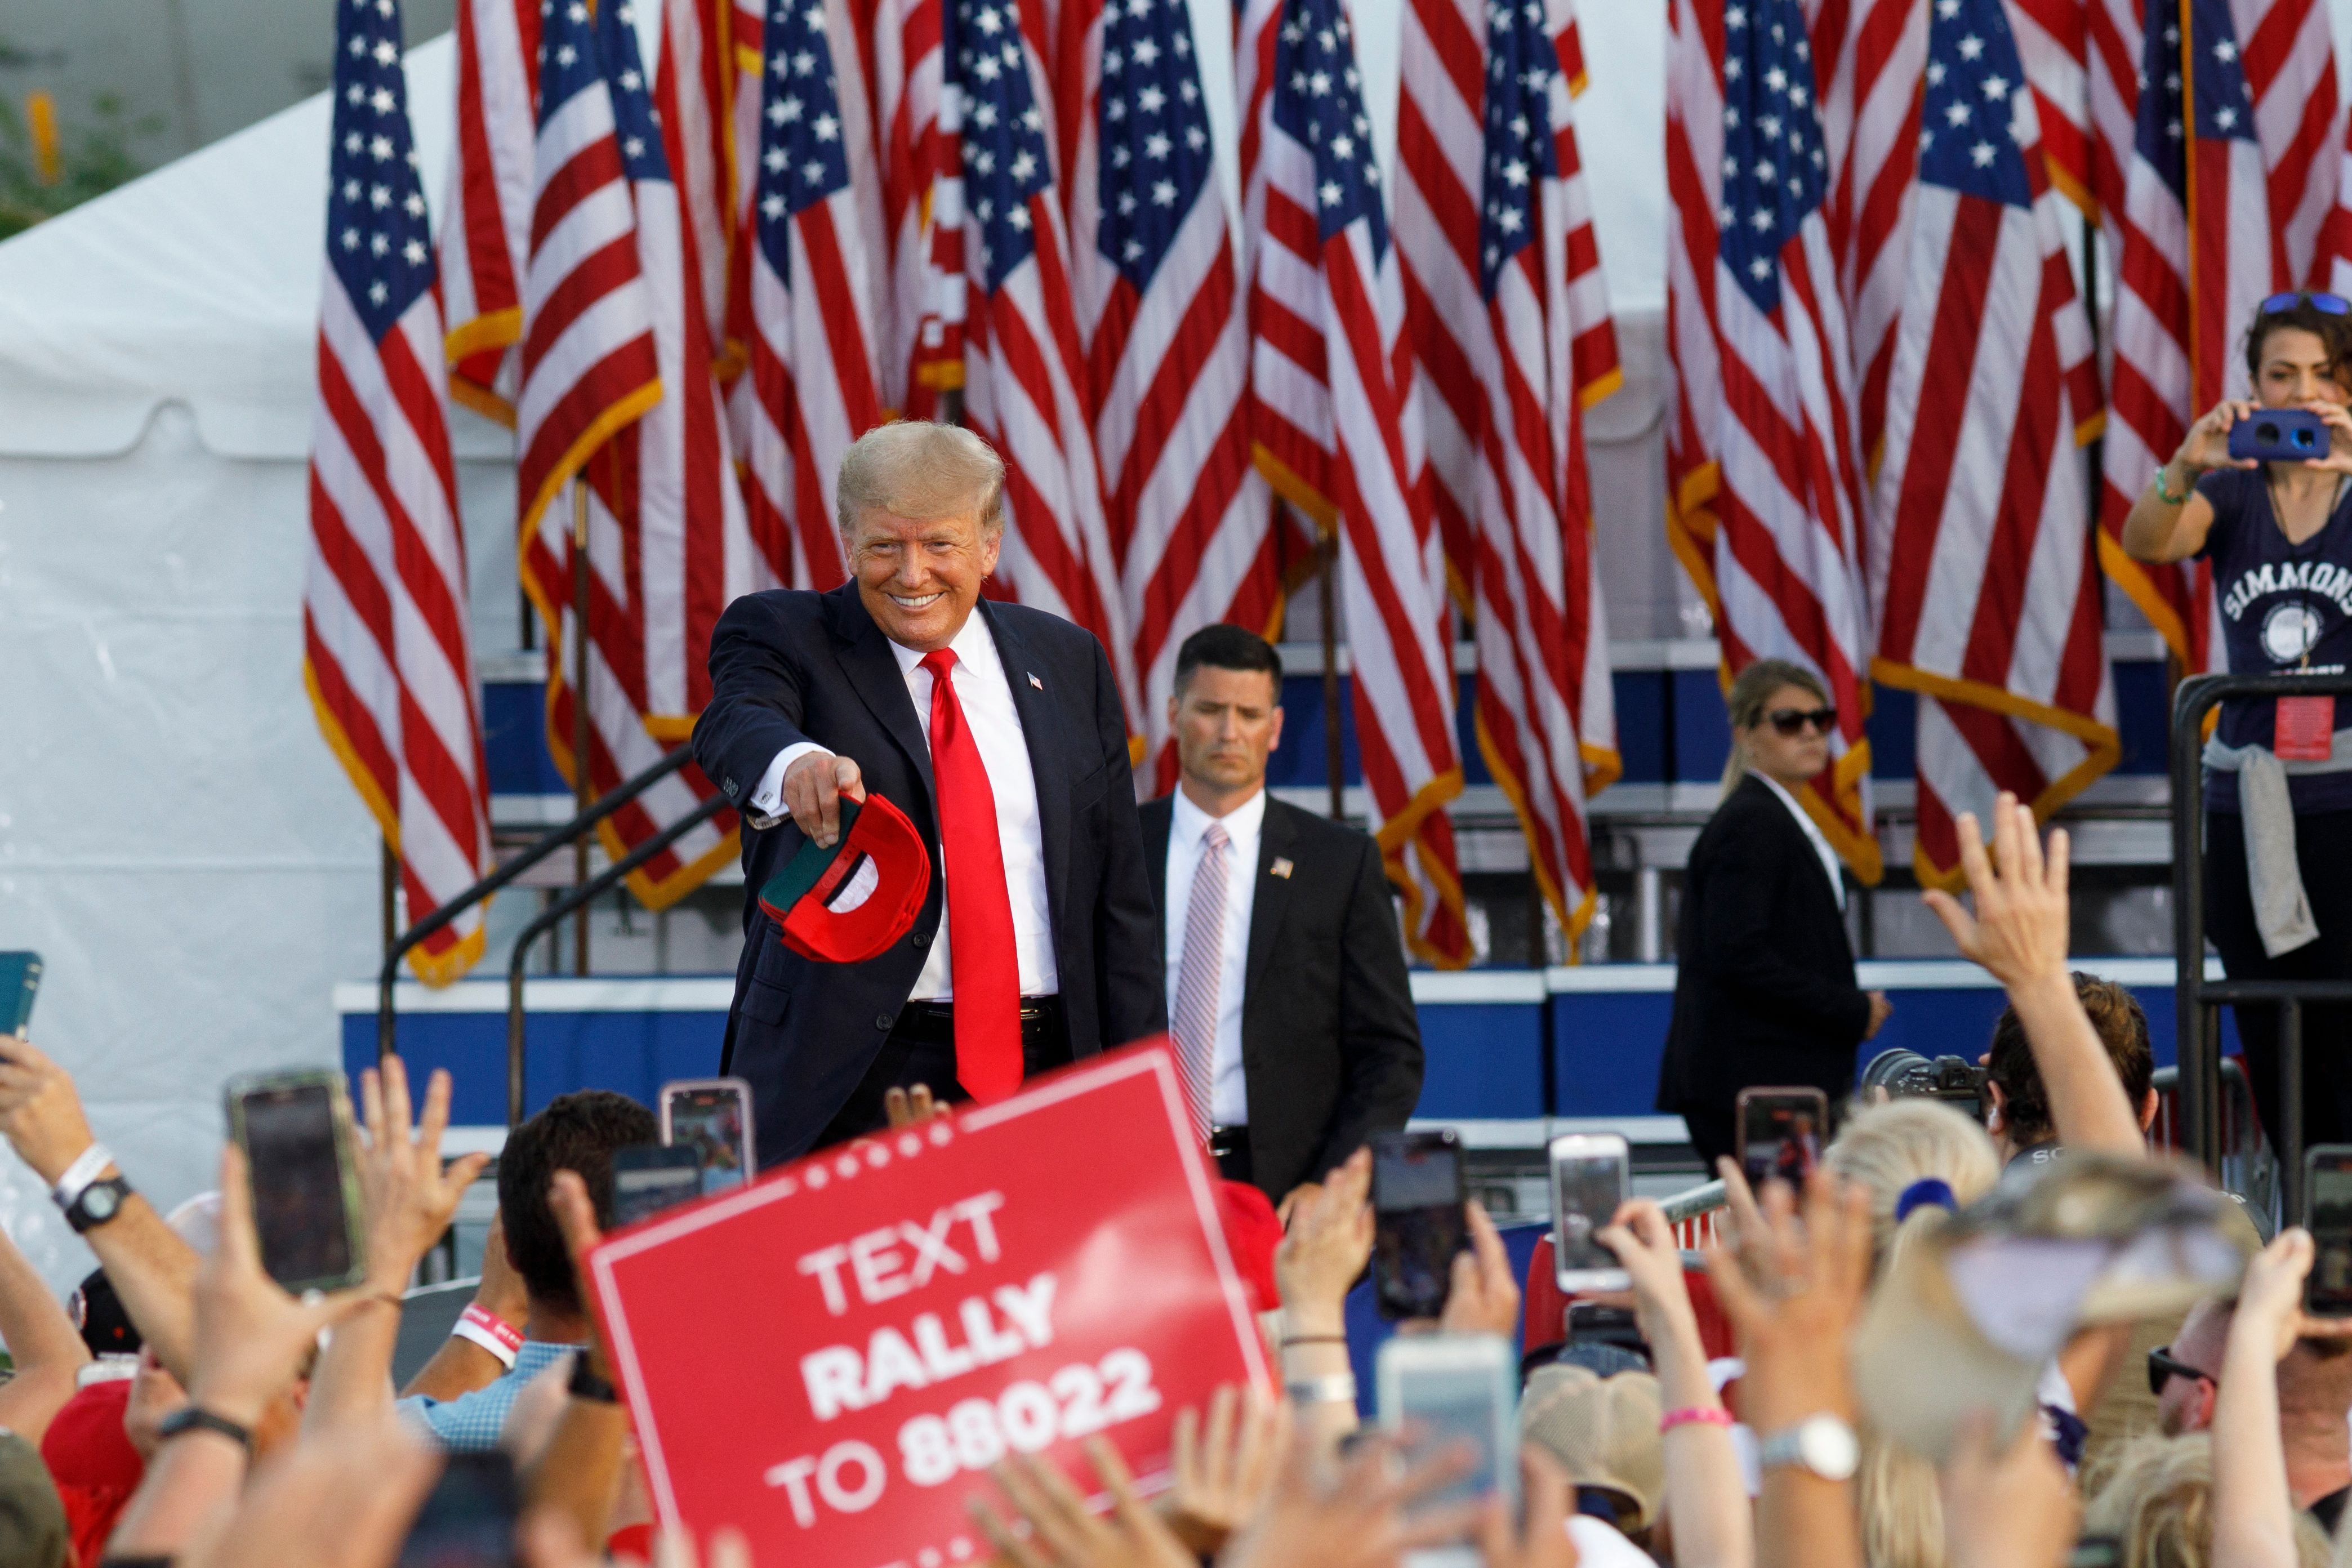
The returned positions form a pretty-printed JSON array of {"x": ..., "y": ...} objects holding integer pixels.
[
  {"x": 195, "y": 1418},
  {"x": 79, "y": 1213},
  {"x": 79, "y": 1175}
]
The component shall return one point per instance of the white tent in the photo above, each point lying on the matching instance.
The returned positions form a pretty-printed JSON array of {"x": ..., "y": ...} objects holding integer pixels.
[{"x": 174, "y": 837}]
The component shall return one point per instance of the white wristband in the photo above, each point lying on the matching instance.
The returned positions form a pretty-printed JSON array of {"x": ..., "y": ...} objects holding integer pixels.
[
  {"x": 81, "y": 1173},
  {"x": 487, "y": 1340},
  {"x": 1338, "y": 1388}
]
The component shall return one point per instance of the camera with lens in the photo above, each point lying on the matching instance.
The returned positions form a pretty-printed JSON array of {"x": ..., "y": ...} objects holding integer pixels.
[{"x": 1907, "y": 1075}]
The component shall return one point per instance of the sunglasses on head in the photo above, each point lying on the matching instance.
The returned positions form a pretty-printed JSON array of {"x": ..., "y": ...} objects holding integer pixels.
[
  {"x": 1792, "y": 720},
  {"x": 2326, "y": 304},
  {"x": 2163, "y": 1366}
]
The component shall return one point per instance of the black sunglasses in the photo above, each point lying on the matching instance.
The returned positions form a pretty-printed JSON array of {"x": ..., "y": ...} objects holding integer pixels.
[
  {"x": 2163, "y": 1367},
  {"x": 1792, "y": 720},
  {"x": 2326, "y": 304}
]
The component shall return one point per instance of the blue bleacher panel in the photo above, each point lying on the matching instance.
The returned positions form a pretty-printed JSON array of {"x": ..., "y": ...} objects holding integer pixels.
[{"x": 1484, "y": 1060}]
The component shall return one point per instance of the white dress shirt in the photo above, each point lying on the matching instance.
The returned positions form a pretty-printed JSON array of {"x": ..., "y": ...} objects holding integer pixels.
[
  {"x": 1229, "y": 1091},
  {"x": 1830, "y": 865},
  {"x": 986, "y": 697}
]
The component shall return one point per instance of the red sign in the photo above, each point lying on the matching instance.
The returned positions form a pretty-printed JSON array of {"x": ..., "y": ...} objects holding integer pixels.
[
  {"x": 2305, "y": 730},
  {"x": 831, "y": 1358}
]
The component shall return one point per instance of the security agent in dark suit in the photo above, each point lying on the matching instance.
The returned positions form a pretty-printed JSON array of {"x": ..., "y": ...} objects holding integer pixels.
[
  {"x": 1286, "y": 988},
  {"x": 1037, "y": 941},
  {"x": 1764, "y": 994}
]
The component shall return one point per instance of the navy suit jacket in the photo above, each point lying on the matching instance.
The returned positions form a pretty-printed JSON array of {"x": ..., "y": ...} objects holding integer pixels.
[{"x": 790, "y": 665}]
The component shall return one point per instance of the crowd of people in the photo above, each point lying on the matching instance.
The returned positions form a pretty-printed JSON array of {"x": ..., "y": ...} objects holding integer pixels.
[{"x": 256, "y": 1426}]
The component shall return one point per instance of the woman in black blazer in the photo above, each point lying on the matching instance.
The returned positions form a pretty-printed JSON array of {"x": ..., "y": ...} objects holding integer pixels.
[{"x": 1764, "y": 994}]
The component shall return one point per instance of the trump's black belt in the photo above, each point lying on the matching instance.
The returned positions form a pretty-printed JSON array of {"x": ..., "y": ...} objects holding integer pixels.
[{"x": 933, "y": 1022}]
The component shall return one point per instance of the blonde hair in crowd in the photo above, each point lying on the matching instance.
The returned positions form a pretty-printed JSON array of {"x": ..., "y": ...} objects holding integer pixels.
[
  {"x": 917, "y": 469},
  {"x": 2157, "y": 1498},
  {"x": 1746, "y": 701},
  {"x": 1885, "y": 1148}
]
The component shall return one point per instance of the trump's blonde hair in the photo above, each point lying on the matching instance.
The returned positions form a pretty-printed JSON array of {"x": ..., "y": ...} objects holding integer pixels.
[{"x": 918, "y": 469}]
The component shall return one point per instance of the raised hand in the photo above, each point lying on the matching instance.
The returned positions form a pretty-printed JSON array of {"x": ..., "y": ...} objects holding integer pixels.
[
  {"x": 1062, "y": 1533},
  {"x": 1223, "y": 1472},
  {"x": 410, "y": 1197},
  {"x": 2019, "y": 932}
]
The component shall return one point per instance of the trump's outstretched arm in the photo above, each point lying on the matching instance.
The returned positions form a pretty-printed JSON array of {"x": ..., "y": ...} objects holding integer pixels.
[{"x": 755, "y": 706}]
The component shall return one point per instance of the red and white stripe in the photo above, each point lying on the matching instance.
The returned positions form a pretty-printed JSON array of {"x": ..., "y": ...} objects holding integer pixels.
[
  {"x": 1867, "y": 59},
  {"x": 1505, "y": 384},
  {"x": 695, "y": 89},
  {"x": 589, "y": 361},
  {"x": 2288, "y": 51},
  {"x": 2053, "y": 42},
  {"x": 1339, "y": 436},
  {"x": 918, "y": 118},
  {"x": 1983, "y": 580},
  {"x": 486, "y": 230},
  {"x": 1763, "y": 478}
]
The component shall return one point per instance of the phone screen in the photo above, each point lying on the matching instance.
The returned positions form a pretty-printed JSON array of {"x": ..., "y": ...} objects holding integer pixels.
[
  {"x": 1418, "y": 1224},
  {"x": 468, "y": 1517},
  {"x": 2327, "y": 1194},
  {"x": 298, "y": 1184},
  {"x": 1781, "y": 1135},
  {"x": 711, "y": 1123},
  {"x": 1445, "y": 1406},
  {"x": 648, "y": 1178},
  {"x": 1587, "y": 1190},
  {"x": 20, "y": 981}
]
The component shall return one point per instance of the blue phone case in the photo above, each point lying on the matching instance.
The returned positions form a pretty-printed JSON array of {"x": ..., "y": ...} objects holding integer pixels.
[
  {"x": 2279, "y": 436},
  {"x": 20, "y": 981}
]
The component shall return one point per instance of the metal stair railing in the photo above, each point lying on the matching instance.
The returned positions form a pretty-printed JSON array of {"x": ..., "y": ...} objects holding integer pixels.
[
  {"x": 540, "y": 849},
  {"x": 2197, "y": 1001},
  {"x": 587, "y": 892}
]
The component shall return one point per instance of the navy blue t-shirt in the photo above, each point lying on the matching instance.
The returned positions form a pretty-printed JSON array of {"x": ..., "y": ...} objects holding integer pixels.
[{"x": 2283, "y": 606}]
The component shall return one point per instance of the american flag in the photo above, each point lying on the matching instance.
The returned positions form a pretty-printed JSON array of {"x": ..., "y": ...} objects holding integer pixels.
[
  {"x": 812, "y": 387},
  {"x": 2053, "y": 41},
  {"x": 383, "y": 597},
  {"x": 668, "y": 544},
  {"x": 1762, "y": 475},
  {"x": 1168, "y": 351},
  {"x": 1340, "y": 435},
  {"x": 1024, "y": 372},
  {"x": 694, "y": 96},
  {"x": 486, "y": 233},
  {"x": 1983, "y": 577},
  {"x": 2196, "y": 258},
  {"x": 1502, "y": 279},
  {"x": 918, "y": 118},
  {"x": 589, "y": 361},
  {"x": 1867, "y": 57}
]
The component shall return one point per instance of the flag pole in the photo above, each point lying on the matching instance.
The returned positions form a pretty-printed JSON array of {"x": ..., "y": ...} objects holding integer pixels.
[
  {"x": 1326, "y": 596},
  {"x": 580, "y": 791},
  {"x": 388, "y": 884}
]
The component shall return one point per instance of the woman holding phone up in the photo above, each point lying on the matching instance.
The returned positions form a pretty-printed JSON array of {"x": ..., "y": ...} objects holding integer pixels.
[
  {"x": 2278, "y": 774},
  {"x": 1765, "y": 991}
]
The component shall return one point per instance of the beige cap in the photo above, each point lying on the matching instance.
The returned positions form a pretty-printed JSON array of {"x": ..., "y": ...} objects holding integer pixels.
[{"x": 1604, "y": 1433}]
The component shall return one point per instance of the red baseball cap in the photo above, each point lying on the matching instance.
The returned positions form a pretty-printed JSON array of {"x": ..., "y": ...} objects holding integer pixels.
[{"x": 849, "y": 903}]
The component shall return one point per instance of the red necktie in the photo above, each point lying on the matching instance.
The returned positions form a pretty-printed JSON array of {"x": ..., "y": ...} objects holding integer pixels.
[{"x": 981, "y": 965}]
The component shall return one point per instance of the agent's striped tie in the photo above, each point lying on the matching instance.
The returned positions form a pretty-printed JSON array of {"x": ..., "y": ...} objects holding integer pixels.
[{"x": 1196, "y": 981}]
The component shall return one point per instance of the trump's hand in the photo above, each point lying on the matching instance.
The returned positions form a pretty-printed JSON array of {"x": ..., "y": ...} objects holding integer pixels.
[{"x": 812, "y": 790}]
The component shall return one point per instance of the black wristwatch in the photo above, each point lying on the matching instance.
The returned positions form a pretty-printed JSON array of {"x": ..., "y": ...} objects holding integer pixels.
[
  {"x": 586, "y": 1385},
  {"x": 97, "y": 1202},
  {"x": 191, "y": 1418}
]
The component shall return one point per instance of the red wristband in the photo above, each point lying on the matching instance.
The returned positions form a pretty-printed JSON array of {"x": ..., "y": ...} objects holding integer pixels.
[
  {"x": 1695, "y": 1415},
  {"x": 491, "y": 1331}
]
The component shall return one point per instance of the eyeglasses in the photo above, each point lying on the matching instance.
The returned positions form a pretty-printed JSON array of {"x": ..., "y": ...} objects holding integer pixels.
[
  {"x": 2326, "y": 304},
  {"x": 2163, "y": 1366},
  {"x": 1792, "y": 720}
]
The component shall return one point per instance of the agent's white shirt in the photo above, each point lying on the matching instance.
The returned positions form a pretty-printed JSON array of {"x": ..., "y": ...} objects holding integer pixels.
[
  {"x": 986, "y": 697},
  {"x": 1229, "y": 1089},
  {"x": 1813, "y": 831}
]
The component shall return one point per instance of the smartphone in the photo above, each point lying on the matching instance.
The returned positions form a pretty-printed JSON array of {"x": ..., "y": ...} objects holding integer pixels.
[
  {"x": 1780, "y": 1134},
  {"x": 469, "y": 1517},
  {"x": 1440, "y": 1390},
  {"x": 2279, "y": 436},
  {"x": 650, "y": 1177},
  {"x": 302, "y": 1161},
  {"x": 20, "y": 981},
  {"x": 1417, "y": 1221},
  {"x": 1589, "y": 1172},
  {"x": 712, "y": 1116},
  {"x": 2327, "y": 1215}
]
